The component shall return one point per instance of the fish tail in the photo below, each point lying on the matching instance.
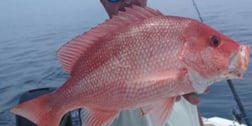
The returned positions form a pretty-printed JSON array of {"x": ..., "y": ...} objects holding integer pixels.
[{"x": 38, "y": 111}]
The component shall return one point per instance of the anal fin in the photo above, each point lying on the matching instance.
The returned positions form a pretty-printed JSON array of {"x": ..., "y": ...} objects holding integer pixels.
[{"x": 96, "y": 117}]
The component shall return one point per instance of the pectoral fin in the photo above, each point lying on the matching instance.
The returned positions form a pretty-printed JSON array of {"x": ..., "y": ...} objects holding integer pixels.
[{"x": 159, "y": 111}]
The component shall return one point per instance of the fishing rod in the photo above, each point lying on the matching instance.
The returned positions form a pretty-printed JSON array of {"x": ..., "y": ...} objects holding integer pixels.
[
  {"x": 243, "y": 114},
  {"x": 239, "y": 103}
]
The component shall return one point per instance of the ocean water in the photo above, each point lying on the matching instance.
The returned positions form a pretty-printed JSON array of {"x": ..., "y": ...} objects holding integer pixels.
[{"x": 31, "y": 31}]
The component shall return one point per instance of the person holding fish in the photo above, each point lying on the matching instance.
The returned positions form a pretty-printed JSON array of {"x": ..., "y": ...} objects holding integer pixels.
[
  {"x": 139, "y": 59},
  {"x": 183, "y": 111},
  {"x": 112, "y": 7}
]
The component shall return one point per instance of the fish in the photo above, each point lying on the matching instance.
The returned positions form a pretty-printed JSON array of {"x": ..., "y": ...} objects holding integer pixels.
[{"x": 140, "y": 59}]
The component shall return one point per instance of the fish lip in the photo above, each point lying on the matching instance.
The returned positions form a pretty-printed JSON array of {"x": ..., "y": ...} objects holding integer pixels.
[
  {"x": 245, "y": 53},
  {"x": 239, "y": 62}
]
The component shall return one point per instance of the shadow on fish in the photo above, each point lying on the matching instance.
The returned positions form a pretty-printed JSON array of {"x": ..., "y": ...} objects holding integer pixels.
[{"x": 139, "y": 59}]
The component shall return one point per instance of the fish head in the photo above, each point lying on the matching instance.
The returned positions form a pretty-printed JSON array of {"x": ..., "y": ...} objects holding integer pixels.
[
  {"x": 211, "y": 55},
  {"x": 114, "y": 6}
]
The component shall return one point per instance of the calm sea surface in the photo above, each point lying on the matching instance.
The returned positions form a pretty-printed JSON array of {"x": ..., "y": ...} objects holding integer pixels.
[{"x": 31, "y": 31}]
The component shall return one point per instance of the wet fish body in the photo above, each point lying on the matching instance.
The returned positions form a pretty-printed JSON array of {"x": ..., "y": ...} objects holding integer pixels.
[{"x": 139, "y": 59}]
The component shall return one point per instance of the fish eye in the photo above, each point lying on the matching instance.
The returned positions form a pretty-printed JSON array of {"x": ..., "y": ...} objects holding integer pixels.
[
  {"x": 114, "y": 1},
  {"x": 214, "y": 41}
]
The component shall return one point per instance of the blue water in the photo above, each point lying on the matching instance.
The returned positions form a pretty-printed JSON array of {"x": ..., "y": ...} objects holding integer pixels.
[{"x": 31, "y": 31}]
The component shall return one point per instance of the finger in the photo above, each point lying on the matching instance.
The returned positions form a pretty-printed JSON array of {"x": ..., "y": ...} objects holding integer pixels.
[
  {"x": 193, "y": 98},
  {"x": 178, "y": 98},
  {"x": 207, "y": 90}
]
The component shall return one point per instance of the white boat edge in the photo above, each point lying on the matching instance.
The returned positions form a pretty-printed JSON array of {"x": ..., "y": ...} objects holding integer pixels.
[{"x": 218, "y": 121}]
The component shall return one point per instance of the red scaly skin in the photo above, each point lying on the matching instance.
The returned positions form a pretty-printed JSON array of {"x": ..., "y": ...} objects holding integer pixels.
[{"x": 139, "y": 59}]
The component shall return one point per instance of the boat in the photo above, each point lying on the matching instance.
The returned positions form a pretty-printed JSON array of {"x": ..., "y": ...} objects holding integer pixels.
[{"x": 219, "y": 121}]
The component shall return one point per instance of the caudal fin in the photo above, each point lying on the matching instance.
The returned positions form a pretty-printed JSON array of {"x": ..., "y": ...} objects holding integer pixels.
[{"x": 38, "y": 111}]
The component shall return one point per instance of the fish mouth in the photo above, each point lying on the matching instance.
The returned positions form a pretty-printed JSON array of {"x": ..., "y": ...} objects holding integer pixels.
[{"x": 239, "y": 63}]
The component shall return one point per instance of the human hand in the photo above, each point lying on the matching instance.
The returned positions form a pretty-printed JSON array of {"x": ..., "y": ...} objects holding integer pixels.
[
  {"x": 113, "y": 6},
  {"x": 192, "y": 98}
]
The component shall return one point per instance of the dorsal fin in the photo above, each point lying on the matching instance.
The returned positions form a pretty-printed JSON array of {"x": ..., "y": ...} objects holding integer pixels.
[{"x": 69, "y": 54}]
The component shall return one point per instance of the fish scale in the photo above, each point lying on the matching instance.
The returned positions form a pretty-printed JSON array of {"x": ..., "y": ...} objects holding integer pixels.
[{"x": 139, "y": 59}]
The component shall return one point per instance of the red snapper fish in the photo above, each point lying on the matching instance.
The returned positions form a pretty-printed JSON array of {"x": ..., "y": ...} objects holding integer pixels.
[{"x": 139, "y": 59}]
